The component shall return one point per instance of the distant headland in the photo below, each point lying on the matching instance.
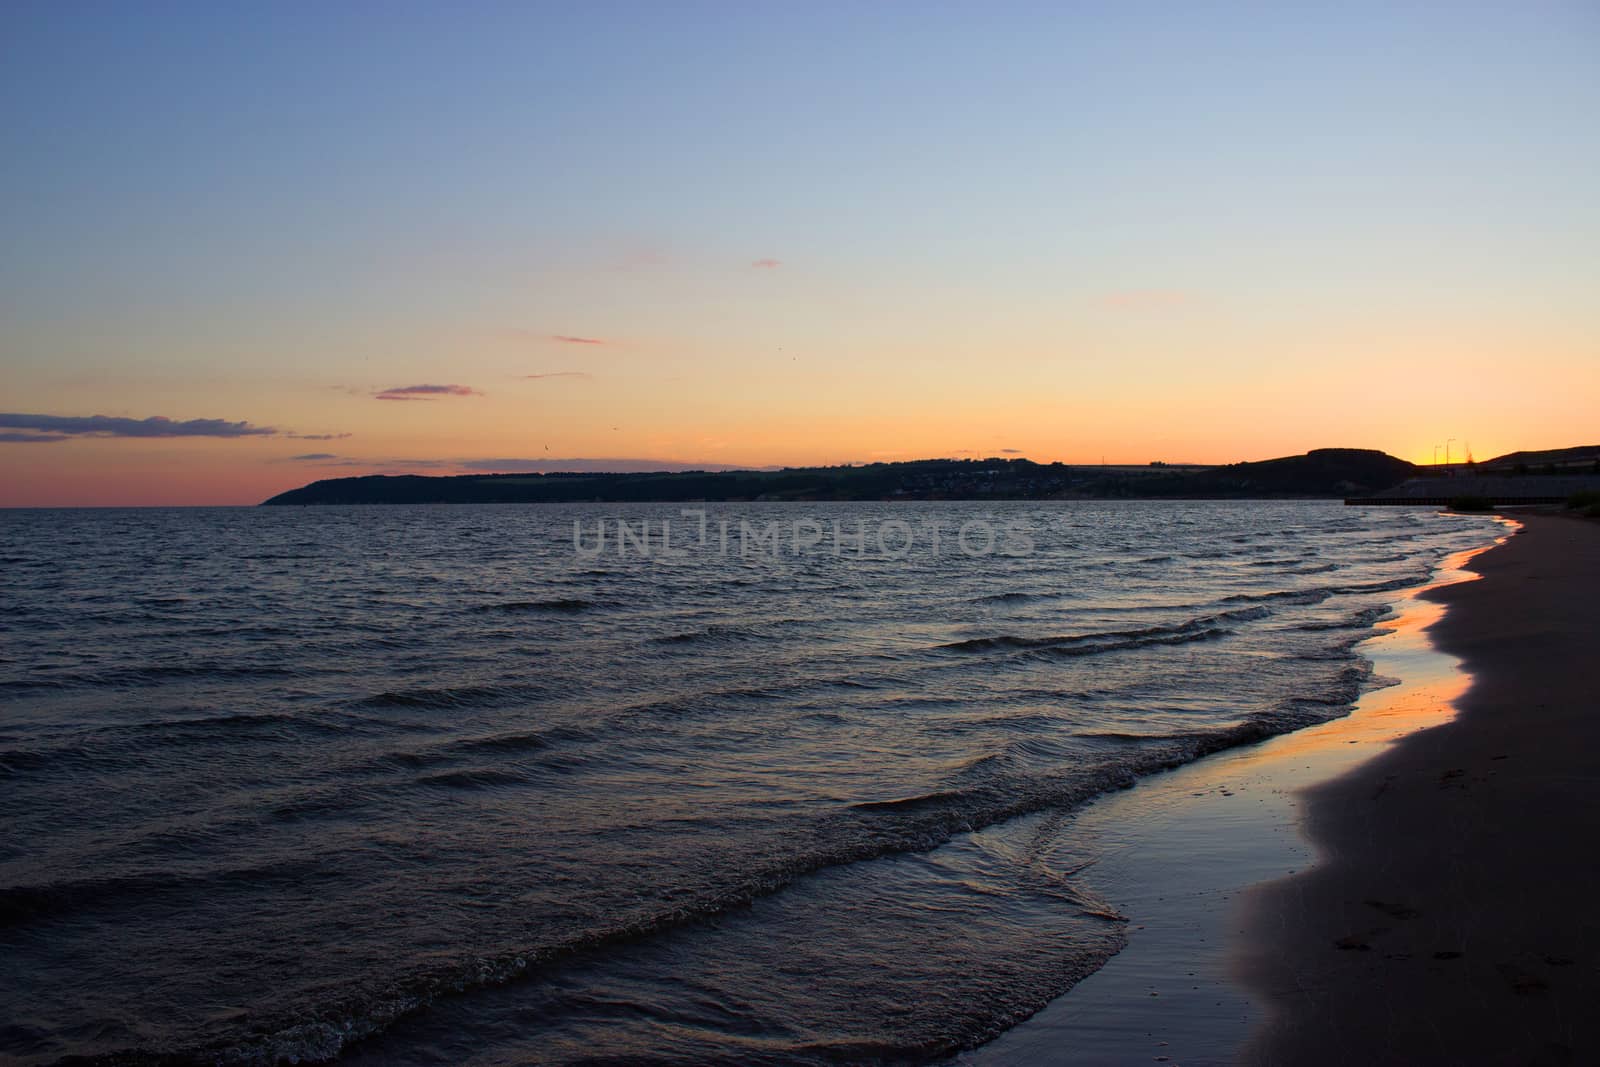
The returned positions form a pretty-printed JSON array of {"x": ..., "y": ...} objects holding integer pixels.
[
  {"x": 1341, "y": 473},
  {"x": 1325, "y": 472}
]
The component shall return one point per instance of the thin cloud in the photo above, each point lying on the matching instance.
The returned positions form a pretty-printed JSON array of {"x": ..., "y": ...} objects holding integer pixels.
[
  {"x": 578, "y": 374},
  {"x": 316, "y": 436},
  {"x": 312, "y": 456},
  {"x": 30, "y": 438},
  {"x": 57, "y": 427},
  {"x": 1011, "y": 451},
  {"x": 569, "y": 339},
  {"x": 767, "y": 264},
  {"x": 425, "y": 392}
]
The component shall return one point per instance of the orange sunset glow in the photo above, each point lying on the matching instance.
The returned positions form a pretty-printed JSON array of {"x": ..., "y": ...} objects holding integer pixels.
[{"x": 1009, "y": 272}]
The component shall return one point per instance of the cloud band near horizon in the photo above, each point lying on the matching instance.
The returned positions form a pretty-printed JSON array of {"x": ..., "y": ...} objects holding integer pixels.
[
  {"x": 28, "y": 428},
  {"x": 39, "y": 428}
]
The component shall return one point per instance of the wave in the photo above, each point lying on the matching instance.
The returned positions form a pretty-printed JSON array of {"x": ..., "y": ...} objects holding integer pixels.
[
  {"x": 139, "y": 677},
  {"x": 907, "y": 803},
  {"x": 720, "y": 632},
  {"x": 461, "y": 696},
  {"x": 1364, "y": 619},
  {"x": 1008, "y": 598},
  {"x": 18, "y": 760},
  {"x": 230, "y": 722},
  {"x": 28, "y": 684},
  {"x": 473, "y": 778},
  {"x": 858, "y": 832},
  {"x": 516, "y": 741},
  {"x": 1388, "y": 585},
  {"x": 21, "y": 904},
  {"x": 561, "y": 605},
  {"x": 1288, "y": 596},
  {"x": 1134, "y": 737},
  {"x": 1195, "y": 629},
  {"x": 119, "y": 745}
]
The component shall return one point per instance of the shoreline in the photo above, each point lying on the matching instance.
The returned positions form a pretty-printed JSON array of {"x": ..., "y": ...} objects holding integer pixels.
[
  {"x": 1452, "y": 919},
  {"x": 1229, "y": 822}
]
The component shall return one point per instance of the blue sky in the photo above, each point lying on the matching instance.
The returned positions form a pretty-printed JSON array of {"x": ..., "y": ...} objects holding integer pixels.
[{"x": 274, "y": 197}]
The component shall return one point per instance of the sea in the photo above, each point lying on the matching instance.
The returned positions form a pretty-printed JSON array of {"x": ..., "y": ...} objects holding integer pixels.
[{"x": 764, "y": 783}]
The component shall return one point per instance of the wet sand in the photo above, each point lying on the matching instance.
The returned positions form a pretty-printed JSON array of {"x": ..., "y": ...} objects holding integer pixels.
[
  {"x": 1178, "y": 853},
  {"x": 1454, "y": 914}
]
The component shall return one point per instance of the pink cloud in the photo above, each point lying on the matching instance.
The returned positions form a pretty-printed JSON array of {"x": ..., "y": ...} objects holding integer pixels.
[
  {"x": 560, "y": 374},
  {"x": 425, "y": 392},
  {"x": 767, "y": 264},
  {"x": 567, "y": 339}
]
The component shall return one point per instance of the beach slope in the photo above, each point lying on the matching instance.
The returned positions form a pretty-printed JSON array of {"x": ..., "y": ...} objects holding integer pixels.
[{"x": 1454, "y": 913}]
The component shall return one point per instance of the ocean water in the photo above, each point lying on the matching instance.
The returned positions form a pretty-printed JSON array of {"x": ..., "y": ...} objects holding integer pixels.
[{"x": 399, "y": 785}]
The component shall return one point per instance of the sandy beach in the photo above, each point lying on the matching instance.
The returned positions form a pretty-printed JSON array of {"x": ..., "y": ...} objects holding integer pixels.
[
  {"x": 1181, "y": 853},
  {"x": 1451, "y": 916}
]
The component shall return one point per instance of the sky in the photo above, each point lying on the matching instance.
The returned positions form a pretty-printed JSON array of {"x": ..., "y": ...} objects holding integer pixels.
[{"x": 243, "y": 247}]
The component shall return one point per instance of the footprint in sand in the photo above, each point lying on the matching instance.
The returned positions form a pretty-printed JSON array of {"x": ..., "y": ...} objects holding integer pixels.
[
  {"x": 1523, "y": 983},
  {"x": 1394, "y": 911}
]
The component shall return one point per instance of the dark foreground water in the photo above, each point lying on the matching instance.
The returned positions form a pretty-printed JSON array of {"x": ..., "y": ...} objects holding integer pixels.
[{"x": 428, "y": 785}]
